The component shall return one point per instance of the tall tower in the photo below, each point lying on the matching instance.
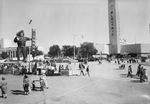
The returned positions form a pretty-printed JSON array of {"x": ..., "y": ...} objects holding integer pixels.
[{"x": 114, "y": 36}]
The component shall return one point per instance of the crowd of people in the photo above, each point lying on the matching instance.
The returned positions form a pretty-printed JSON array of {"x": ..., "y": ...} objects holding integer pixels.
[
  {"x": 141, "y": 70},
  {"x": 50, "y": 67},
  {"x": 36, "y": 68},
  {"x": 16, "y": 68},
  {"x": 141, "y": 73},
  {"x": 46, "y": 68}
]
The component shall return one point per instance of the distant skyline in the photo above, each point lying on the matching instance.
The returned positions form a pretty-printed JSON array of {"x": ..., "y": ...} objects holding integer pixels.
[{"x": 56, "y": 21}]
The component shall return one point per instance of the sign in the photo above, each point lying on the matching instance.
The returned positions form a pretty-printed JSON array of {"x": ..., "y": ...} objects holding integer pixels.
[
  {"x": 112, "y": 19},
  {"x": 33, "y": 42}
]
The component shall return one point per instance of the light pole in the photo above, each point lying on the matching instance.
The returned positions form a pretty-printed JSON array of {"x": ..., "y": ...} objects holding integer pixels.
[
  {"x": 9, "y": 53},
  {"x": 74, "y": 50},
  {"x": 73, "y": 53},
  {"x": 30, "y": 44}
]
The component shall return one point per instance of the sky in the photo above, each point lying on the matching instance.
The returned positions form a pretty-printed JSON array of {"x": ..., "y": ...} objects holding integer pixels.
[{"x": 58, "y": 21}]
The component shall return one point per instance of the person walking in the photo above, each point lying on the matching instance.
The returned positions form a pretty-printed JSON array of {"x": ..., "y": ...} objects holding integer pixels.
[
  {"x": 145, "y": 77},
  {"x": 81, "y": 67},
  {"x": 129, "y": 71},
  {"x": 43, "y": 77},
  {"x": 21, "y": 42},
  {"x": 138, "y": 70},
  {"x": 26, "y": 84},
  {"x": 3, "y": 87},
  {"x": 87, "y": 71},
  {"x": 141, "y": 74}
]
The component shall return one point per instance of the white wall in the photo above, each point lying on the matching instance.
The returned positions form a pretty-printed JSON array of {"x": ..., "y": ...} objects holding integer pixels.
[{"x": 5, "y": 43}]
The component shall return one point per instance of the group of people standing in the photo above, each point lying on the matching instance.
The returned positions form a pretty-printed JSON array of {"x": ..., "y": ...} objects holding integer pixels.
[{"x": 26, "y": 85}]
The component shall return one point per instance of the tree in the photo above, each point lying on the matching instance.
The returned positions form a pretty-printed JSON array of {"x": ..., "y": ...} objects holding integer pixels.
[
  {"x": 39, "y": 53},
  {"x": 54, "y": 51},
  {"x": 87, "y": 49},
  {"x": 4, "y": 55},
  {"x": 34, "y": 53},
  {"x": 68, "y": 50}
]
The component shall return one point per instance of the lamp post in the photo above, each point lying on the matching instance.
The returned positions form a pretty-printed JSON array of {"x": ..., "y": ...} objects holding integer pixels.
[
  {"x": 9, "y": 53},
  {"x": 73, "y": 53},
  {"x": 74, "y": 50},
  {"x": 30, "y": 44}
]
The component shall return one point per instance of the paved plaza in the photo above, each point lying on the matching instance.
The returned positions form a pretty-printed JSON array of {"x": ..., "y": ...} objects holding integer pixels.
[{"x": 107, "y": 85}]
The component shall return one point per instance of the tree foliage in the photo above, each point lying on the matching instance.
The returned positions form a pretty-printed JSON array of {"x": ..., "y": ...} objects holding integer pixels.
[
  {"x": 68, "y": 50},
  {"x": 34, "y": 53},
  {"x": 39, "y": 53},
  {"x": 87, "y": 49},
  {"x": 54, "y": 51},
  {"x": 4, "y": 55}
]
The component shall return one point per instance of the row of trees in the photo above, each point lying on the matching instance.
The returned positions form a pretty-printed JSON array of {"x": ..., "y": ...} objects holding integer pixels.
[{"x": 85, "y": 50}]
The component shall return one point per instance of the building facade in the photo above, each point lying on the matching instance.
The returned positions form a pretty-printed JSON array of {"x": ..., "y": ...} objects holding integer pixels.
[
  {"x": 101, "y": 48},
  {"x": 141, "y": 49},
  {"x": 11, "y": 52}
]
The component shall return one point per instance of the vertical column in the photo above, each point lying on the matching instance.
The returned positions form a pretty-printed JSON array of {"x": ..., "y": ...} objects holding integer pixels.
[{"x": 114, "y": 38}]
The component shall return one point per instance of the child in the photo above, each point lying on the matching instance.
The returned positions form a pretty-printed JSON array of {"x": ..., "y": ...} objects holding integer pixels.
[
  {"x": 42, "y": 84},
  {"x": 3, "y": 86},
  {"x": 43, "y": 77},
  {"x": 33, "y": 85},
  {"x": 26, "y": 84}
]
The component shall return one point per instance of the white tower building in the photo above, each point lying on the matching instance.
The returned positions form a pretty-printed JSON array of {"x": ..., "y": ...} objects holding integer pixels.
[{"x": 114, "y": 36}]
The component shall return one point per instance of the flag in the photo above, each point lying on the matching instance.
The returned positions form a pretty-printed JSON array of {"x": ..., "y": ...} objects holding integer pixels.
[
  {"x": 30, "y": 21},
  {"x": 82, "y": 36}
]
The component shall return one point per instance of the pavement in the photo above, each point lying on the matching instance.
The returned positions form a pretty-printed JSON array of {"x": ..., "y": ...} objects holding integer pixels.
[{"x": 107, "y": 85}]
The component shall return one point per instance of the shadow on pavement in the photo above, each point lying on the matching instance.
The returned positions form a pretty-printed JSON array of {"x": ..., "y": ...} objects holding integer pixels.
[
  {"x": 1, "y": 96},
  {"x": 37, "y": 89},
  {"x": 118, "y": 69},
  {"x": 135, "y": 81},
  {"x": 17, "y": 92},
  {"x": 125, "y": 76},
  {"x": 135, "y": 76}
]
